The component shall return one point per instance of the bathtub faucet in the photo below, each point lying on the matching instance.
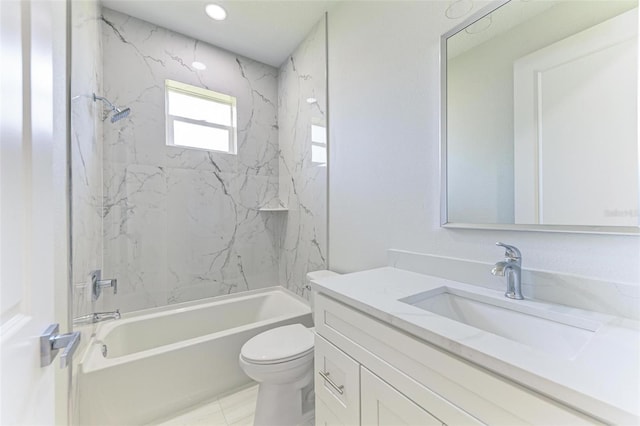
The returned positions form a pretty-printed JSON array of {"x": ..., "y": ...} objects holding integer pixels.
[{"x": 96, "y": 317}]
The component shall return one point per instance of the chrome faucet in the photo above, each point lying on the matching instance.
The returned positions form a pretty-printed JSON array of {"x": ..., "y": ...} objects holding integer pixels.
[
  {"x": 511, "y": 266},
  {"x": 97, "y": 317}
]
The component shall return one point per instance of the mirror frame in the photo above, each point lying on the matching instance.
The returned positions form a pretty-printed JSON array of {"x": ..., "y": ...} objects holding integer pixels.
[{"x": 579, "y": 229}]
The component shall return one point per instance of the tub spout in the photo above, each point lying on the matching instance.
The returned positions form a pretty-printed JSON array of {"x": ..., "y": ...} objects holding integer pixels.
[{"x": 97, "y": 317}]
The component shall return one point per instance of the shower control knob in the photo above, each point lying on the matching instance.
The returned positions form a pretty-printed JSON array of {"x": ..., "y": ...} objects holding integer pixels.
[{"x": 97, "y": 284}]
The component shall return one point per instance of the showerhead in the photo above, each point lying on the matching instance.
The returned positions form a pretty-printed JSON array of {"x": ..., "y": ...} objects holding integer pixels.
[{"x": 118, "y": 114}]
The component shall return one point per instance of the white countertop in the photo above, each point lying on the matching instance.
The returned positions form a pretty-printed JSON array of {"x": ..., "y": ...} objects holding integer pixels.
[{"x": 602, "y": 380}]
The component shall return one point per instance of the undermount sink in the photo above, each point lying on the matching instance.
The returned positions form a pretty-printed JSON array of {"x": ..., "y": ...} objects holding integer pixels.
[{"x": 556, "y": 334}]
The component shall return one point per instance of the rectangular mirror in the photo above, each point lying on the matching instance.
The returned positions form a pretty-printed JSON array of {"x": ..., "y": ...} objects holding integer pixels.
[{"x": 540, "y": 118}]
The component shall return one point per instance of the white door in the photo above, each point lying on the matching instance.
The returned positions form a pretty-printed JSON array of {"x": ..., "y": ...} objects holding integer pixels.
[
  {"x": 32, "y": 200},
  {"x": 575, "y": 122}
]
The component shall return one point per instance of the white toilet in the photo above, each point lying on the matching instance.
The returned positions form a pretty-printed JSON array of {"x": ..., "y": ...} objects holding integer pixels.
[{"x": 281, "y": 361}]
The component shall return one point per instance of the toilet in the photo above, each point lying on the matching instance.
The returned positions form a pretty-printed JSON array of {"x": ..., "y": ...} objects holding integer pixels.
[{"x": 281, "y": 361}]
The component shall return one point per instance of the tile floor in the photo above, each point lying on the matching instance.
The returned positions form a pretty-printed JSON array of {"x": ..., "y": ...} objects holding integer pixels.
[{"x": 236, "y": 409}]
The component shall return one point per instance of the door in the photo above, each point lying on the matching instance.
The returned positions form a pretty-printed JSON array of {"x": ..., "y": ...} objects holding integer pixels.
[
  {"x": 575, "y": 106},
  {"x": 33, "y": 231}
]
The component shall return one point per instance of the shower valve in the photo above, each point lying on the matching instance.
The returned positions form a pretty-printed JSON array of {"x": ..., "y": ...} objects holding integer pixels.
[{"x": 97, "y": 284}]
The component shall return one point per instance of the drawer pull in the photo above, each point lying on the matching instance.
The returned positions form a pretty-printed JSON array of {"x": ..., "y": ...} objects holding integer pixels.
[{"x": 325, "y": 376}]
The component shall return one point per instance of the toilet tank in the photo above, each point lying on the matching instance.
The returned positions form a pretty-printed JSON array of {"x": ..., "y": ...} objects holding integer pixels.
[{"x": 316, "y": 275}]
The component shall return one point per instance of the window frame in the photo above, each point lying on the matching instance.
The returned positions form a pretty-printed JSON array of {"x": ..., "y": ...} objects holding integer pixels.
[
  {"x": 319, "y": 123},
  {"x": 208, "y": 95}
]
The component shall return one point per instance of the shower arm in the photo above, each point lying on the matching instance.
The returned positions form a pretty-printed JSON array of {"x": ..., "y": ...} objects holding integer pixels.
[
  {"x": 118, "y": 113},
  {"x": 105, "y": 100}
]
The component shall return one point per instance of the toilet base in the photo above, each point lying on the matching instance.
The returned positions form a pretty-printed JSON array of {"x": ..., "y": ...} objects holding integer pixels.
[{"x": 283, "y": 405}]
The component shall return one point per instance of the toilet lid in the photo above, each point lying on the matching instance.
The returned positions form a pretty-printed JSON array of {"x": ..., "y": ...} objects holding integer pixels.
[{"x": 278, "y": 345}]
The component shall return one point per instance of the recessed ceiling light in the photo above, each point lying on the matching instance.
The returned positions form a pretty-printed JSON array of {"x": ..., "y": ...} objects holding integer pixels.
[
  {"x": 311, "y": 100},
  {"x": 215, "y": 12},
  {"x": 199, "y": 65}
]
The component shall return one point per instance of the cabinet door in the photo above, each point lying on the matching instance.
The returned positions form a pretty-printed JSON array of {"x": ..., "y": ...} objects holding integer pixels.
[
  {"x": 383, "y": 405},
  {"x": 337, "y": 382},
  {"x": 326, "y": 417}
]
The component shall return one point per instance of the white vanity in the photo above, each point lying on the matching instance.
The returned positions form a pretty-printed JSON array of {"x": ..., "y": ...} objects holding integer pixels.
[{"x": 396, "y": 347}]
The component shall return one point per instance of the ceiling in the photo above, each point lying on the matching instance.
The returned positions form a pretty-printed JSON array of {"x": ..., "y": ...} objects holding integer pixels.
[
  {"x": 496, "y": 23},
  {"x": 263, "y": 30},
  {"x": 515, "y": 13}
]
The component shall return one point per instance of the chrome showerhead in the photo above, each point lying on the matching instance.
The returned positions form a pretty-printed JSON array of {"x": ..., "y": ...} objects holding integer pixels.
[{"x": 118, "y": 114}]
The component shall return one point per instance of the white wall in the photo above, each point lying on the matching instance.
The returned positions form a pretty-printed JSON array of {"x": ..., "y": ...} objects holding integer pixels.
[{"x": 384, "y": 179}]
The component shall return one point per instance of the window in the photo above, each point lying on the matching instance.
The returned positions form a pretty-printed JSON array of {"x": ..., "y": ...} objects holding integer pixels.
[
  {"x": 318, "y": 144},
  {"x": 200, "y": 118}
]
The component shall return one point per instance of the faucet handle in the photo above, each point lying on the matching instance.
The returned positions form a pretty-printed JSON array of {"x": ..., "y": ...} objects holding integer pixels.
[{"x": 511, "y": 252}]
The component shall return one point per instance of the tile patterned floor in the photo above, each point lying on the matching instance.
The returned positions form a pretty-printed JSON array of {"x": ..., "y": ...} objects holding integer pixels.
[{"x": 236, "y": 409}]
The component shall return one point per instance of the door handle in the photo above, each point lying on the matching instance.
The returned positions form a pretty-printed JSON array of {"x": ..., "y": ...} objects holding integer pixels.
[{"x": 51, "y": 342}]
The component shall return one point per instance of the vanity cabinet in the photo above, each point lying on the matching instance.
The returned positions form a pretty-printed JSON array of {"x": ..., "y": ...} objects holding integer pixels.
[{"x": 369, "y": 372}]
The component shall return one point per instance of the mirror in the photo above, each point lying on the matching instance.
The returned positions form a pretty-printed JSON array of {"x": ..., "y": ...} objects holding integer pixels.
[{"x": 540, "y": 118}]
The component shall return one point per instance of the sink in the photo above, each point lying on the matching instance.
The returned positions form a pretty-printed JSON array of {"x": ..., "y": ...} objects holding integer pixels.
[{"x": 525, "y": 322}]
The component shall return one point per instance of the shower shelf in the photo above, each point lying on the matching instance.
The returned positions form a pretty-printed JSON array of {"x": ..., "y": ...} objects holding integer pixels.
[{"x": 273, "y": 209}]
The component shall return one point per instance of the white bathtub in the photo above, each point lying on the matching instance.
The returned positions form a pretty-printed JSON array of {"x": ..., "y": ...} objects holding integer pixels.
[{"x": 161, "y": 361}]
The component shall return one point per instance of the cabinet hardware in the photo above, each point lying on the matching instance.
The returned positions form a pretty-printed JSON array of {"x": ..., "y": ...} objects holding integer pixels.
[{"x": 325, "y": 376}]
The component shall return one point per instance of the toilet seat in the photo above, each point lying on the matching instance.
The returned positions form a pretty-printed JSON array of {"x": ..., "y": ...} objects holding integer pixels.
[{"x": 278, "y": 345}]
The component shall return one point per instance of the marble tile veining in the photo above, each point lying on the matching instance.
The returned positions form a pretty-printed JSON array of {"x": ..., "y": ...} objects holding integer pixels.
[
  {"x": 86, "y": 161},
  {"x": 303, "y": 182},
  {"x": 175, "y": 224},
  {"x": 182, "y": 224}
]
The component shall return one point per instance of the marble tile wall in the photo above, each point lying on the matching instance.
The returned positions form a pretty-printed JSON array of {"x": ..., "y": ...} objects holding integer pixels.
[
  {"x": 86, "y": 164},
  {"x": 86, "y": 150},
  {"x": 182, "y": 224},
  {"x": 303, "y": 182}
]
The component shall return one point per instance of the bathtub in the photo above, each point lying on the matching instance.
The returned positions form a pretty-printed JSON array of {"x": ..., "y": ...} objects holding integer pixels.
[{"x": 160, "y": 361}]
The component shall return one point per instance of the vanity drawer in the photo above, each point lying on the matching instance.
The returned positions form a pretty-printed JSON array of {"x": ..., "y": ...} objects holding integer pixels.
[{"x": 337, "y": 382}]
